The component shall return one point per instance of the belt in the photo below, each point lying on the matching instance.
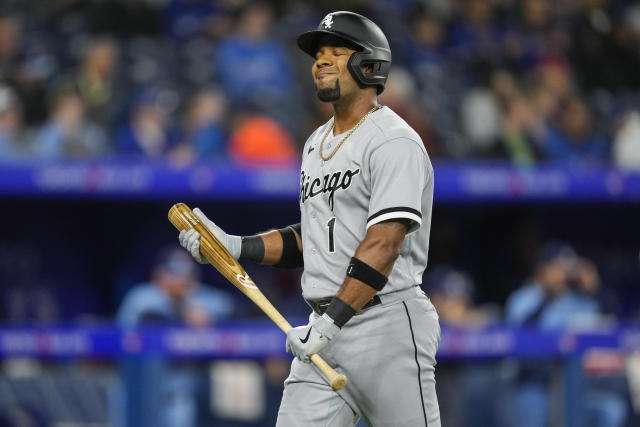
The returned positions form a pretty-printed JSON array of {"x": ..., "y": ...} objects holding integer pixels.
[{"x": 320, "y": 305}]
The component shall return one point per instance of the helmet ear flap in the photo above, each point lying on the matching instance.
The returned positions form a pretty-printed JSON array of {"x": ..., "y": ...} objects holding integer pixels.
[{"x": 376, "y": 77}]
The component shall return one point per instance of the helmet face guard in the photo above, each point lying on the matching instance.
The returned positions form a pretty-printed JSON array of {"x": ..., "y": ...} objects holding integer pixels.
[{"x": 362, "y": 33}]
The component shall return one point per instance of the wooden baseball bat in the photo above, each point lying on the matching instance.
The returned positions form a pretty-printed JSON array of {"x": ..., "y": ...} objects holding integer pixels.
[{"x": 183, "y": 218}]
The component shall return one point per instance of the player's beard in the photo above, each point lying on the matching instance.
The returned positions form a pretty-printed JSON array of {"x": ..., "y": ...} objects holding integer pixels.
[{"x": 329, "y": 94}]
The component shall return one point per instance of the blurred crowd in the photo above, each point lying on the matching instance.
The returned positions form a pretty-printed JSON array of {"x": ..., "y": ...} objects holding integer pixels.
[
  {"x": 564, "y": 292},
  {"x": 523, "y": 81}
]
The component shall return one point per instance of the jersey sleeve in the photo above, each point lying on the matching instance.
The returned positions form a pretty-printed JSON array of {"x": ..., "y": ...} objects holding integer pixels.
[{"x": 399, "y": 173}]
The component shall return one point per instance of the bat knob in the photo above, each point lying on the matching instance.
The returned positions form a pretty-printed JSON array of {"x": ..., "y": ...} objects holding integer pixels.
[{"x": 338, "y": 382}]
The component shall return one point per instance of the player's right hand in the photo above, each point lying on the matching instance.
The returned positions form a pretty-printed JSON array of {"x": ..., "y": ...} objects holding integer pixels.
[{"x": 190, "y": 239}]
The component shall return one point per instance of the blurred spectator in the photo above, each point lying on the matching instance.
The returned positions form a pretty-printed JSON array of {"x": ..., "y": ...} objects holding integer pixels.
[
  {"x": 548, "y": 301},
  {"x": 626, "y": 142},
  {"x": 521, "y": 129},
  {"x": 425, "y": 46},
  {"x": 549, "y": 51},
  {"x": 203, "y": 134},
  {"x": 255, "y": 69},
  {"x": 9, "y": 47},
  {"x": 474, "y": 38},
  {"x": 585, "y": 278},
  {"x": 534, "y": 35},
  {"x": 461, "y": 386},
  {"x": 604, "y": 48},
  {"x": 507, "y": 121},
  {"x": 399, "y": 94},
  {"x": 13, "y": 144},
  {"x": 96, "y": 83},
  {"x": 28, "y": 63},
  {"x": 68, "y": 133},
  {"x": 452, "y": 293},
  {"x": 553, "y": 73},
  {"x": 572, "y": 138},
  {"x": 259, "y": 141},
  {"x": 438, "y": 82},
  {"x": 544, "y": 102},
  {"x": 559, "y": 297},
  {"x": 481, "y": 117},
  {"x": 147, "y": 131},
  {"x": 173, "y": 297}
]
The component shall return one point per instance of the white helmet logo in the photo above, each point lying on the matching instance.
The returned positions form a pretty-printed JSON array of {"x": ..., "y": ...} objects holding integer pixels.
[{"x": 327, "y": 21}]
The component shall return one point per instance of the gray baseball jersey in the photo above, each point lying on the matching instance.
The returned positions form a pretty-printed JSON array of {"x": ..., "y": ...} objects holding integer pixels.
[
  {"x": 387, "y": 351},
  {"x": 381, "y": 172}
]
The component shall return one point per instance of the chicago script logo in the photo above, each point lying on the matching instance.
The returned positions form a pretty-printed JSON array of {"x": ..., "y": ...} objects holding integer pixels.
[
  {"x": 246, "y": 281},
  {"x": 330, "y": 183}
]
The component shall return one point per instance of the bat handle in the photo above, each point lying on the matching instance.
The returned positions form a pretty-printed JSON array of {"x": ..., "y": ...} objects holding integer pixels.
[{"x": 336, "y": 380}]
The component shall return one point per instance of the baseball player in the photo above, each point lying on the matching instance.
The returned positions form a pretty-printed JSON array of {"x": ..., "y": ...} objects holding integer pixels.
[{"x": 366, "y": 191}]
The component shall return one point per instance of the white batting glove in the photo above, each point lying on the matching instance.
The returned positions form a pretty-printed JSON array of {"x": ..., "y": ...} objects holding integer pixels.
[
  {"x": 190, "y": 239},
  {"x": 304, "y": 341}
]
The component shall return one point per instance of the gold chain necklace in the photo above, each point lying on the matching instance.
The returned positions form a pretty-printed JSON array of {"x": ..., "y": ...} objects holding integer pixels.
[{"x": 353, "y": 129}]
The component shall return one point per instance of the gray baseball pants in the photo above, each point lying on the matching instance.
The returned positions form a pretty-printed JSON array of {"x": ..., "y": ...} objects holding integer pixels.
[{"x": 388, "y": 354}]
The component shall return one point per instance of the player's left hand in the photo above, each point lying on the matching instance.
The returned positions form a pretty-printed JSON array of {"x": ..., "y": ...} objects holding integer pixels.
[{"x": 304, "y": 341}]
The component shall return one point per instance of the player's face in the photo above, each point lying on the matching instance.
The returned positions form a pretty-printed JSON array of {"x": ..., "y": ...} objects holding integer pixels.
[{"x": 330, "y": 73}]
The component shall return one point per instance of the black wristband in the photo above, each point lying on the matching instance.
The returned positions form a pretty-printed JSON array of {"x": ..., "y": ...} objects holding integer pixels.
[
  {"x": 291, "y": 255},
  {"x": 252, "y": 248},
  {"x": 366, "y": 274},
  {"x": 340, "y": 312}
]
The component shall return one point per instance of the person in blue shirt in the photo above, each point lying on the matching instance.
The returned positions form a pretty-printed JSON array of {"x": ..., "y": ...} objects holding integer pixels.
[
  {"x": 173, "y": 296},
  {"x": 572, "y": 138},
  {"x": 147, "y": 131},
  {"x": 203, "y": 135},
  {"x": 548, "y": 302},
  {"x": 69, "y": 133},
  {"x": 552, "y": 301},
  {"x": 255, "y": 69}
]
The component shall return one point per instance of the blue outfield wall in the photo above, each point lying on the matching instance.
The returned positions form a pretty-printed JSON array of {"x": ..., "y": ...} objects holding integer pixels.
[
  {"x": 261, "y": 339},
  {"x": 491, "y": 182},
  {"x": 256, "y": 340}
]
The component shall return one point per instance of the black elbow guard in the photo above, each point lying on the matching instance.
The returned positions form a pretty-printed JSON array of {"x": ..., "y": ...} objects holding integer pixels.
[{"x": 291, "y": 255}]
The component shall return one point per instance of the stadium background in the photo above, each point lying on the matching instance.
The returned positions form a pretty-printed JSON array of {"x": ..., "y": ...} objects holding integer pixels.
[{"x": 113, "y": 110}]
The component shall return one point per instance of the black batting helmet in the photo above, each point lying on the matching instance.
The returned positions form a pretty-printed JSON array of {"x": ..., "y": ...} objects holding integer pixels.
[{"x": 371, "y": 43}]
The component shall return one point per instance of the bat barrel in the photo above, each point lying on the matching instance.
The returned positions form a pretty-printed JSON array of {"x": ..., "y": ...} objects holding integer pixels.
[{"x": 336, "y": 380}]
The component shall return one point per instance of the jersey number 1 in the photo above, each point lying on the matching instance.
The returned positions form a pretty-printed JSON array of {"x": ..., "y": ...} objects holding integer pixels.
[{"x": 331, "y": 224}]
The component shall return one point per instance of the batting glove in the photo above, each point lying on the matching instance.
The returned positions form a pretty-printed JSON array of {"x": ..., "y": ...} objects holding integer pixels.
[
  {"x": 304, "y": 341},
  {"x": 190, "y": 239}
]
